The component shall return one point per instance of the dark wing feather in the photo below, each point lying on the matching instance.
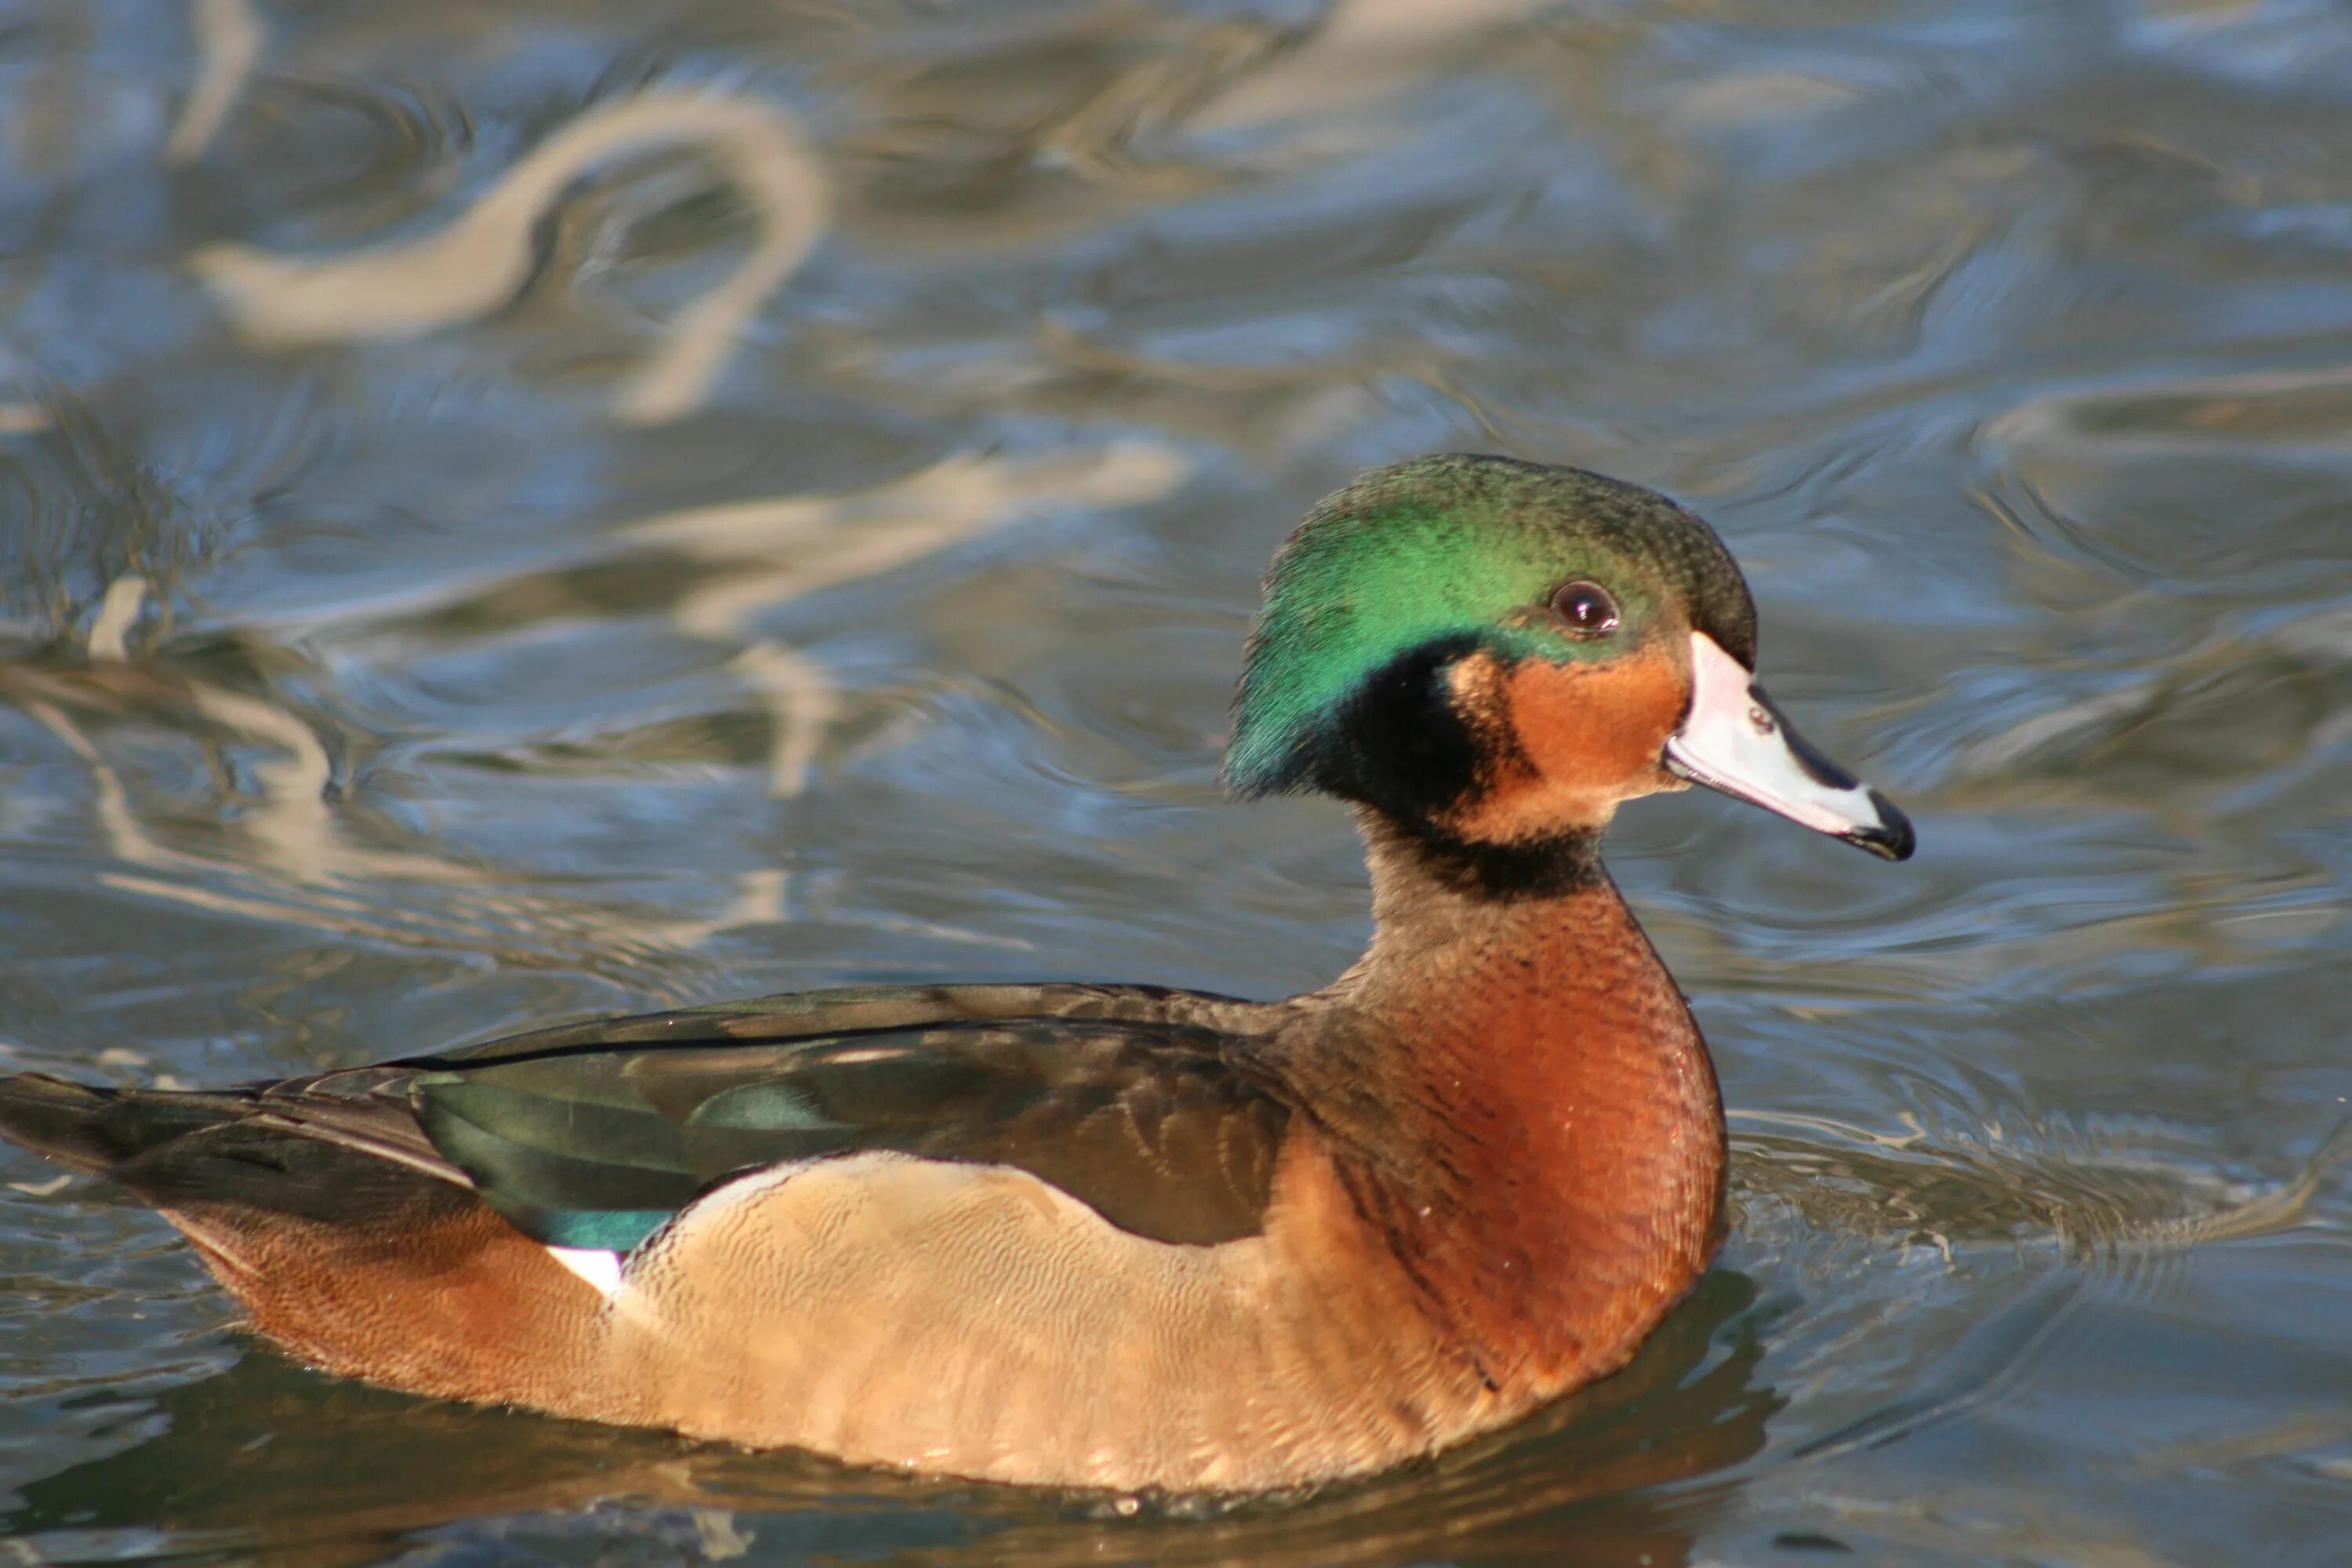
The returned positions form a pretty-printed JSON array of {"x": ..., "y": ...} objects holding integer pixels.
[
  {"x": 593, "y": 1136},
  {"x": 340, "y": 1147}
]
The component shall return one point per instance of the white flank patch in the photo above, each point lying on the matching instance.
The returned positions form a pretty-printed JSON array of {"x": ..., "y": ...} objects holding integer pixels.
[{"x": 599, "y": 1268}]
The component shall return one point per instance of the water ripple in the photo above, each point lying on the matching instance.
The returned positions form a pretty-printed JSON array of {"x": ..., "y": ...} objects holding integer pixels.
[{"x": 486, "y": 256}]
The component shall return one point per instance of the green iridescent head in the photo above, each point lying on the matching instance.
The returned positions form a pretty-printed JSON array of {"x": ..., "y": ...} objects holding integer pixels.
[{"x": 1417, "y": 565}]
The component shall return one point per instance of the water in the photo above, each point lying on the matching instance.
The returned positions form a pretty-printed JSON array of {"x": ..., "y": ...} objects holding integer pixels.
[{"x": 585, "y": 508}]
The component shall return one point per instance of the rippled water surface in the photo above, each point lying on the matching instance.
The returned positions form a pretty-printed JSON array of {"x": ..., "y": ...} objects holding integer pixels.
[{"x": 519, "y": 511}]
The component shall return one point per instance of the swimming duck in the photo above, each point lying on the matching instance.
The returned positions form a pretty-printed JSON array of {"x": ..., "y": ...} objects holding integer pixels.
[{"x": 1109, "y": 1235}]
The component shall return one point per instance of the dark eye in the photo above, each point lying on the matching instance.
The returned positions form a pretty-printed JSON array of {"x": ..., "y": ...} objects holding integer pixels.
[{"x": 1585, "y": 609}]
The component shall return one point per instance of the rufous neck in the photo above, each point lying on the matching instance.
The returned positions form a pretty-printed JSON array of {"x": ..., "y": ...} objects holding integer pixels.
[{"x": 1553, "y": 1111}]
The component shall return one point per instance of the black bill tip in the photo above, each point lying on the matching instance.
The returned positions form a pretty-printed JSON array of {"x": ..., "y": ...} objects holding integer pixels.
[{"x": 1890, "y": 837}]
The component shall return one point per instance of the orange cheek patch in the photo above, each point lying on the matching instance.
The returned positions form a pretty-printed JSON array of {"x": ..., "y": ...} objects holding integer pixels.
[{"x": 1589, "y": 736}]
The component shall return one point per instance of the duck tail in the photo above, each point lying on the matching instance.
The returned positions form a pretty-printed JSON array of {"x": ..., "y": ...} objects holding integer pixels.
[
  {"x": 264, "y": 1148},
  {"x": 330, "y": 1217},
  {"x": 99, "y": 1131}
]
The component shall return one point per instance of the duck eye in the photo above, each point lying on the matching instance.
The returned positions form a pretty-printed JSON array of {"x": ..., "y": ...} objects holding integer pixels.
[{"x": 1585, "y": 609}]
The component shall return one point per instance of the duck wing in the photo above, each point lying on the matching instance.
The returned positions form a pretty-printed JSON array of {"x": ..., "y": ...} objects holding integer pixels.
[{"x": 596, "y": 1135}]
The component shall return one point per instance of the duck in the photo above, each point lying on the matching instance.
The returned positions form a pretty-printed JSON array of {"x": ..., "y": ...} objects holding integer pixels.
[{"x": 1100, "y": 1236}]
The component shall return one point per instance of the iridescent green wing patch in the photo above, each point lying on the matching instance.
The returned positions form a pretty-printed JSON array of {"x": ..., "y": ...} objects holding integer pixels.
[{"x": 589, "y": 1139}]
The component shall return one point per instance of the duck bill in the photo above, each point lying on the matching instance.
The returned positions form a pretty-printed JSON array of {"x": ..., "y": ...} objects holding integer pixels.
[{"x": 1736, "y": 741}]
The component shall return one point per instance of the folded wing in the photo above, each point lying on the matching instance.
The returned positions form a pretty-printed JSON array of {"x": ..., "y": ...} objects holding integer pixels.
[{"x": 596, "y": 1137}]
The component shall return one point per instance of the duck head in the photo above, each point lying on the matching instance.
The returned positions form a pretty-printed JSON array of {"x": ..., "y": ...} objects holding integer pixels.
[{"x": 1493, "y": 655}]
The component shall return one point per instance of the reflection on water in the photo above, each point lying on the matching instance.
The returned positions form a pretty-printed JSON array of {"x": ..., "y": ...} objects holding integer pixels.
[
  {"x": 228, "y": 39},
  {"x": 527, "y": 511},
  {"x": 292, "y": 855},
  {"x": 486, "y": 255}
]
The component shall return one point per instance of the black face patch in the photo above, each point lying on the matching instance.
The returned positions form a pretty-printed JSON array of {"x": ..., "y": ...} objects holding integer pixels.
[
  {"x": 1401, "y": 744},
  {"x": 1398, "y": 744}
]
